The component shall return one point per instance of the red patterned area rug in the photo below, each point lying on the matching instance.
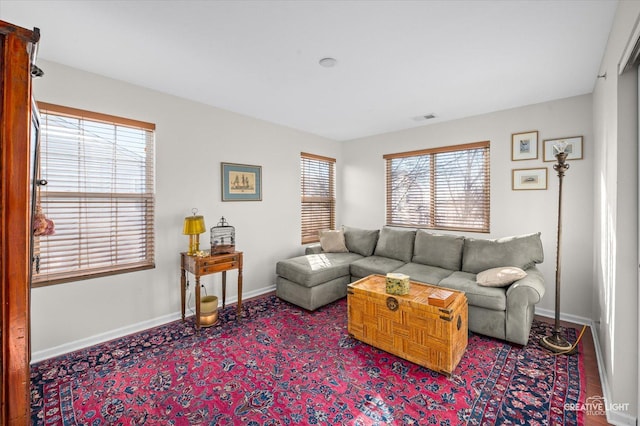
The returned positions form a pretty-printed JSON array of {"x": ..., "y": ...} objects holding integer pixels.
[{"x": 281, "y": 365}]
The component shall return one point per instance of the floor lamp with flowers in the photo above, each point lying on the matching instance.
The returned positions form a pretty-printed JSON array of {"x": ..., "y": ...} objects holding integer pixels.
[{"x": 556, "y": 342}]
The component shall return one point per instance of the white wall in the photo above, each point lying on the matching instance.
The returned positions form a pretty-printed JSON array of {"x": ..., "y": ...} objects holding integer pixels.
[
  {"x": 512, "y": 212},
  {"x": 67, "y": 316},
  {"x": 616, "y": 219},
  {"x": 191, "y": 141}
]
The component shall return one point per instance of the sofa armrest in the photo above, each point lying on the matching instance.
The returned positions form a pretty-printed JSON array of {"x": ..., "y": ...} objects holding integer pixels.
[
  {"x": 313, "y": 249},
  {"x": 522, "y": 297},
  {"x": 528, "y": 290}
]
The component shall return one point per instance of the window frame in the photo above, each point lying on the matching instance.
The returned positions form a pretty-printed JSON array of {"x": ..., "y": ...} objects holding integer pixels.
[
  {"x": 146, "y": 197},
  {"x": 434, "y": 208},
  {"x": 309, "y": 223}
]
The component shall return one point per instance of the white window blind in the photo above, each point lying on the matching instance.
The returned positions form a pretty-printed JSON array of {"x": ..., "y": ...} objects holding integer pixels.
[
  {"x": 440, "y": 188},
  {"x": 317, "y": 183},
  {"x": 100, "y": 195}
]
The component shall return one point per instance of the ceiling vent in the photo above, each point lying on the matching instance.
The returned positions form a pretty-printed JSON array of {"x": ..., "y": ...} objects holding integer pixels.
[{"x": 424, "y": 117}]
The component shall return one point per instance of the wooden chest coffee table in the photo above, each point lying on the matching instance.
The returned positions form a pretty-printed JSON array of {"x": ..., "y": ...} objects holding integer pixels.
[{"x": 409, "y": 326}]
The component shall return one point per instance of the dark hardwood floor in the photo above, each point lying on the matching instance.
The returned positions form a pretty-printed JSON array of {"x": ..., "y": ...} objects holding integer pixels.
[{"x": 594, "y": 388}]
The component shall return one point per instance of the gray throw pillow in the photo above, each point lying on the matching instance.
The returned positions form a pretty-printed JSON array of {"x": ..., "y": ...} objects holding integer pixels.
[
  {"x": 361, "y": 241},
  {"x": 443, "y": 251},
  {"x": 396, "y": 243},
  {"x": 522, "y": 251}
]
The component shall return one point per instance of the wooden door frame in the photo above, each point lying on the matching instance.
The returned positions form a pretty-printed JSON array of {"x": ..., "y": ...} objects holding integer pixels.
[{"x": 15, "y": 221}]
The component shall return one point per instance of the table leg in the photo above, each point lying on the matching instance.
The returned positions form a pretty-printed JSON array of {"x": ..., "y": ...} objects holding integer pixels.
[
  {"x": 239, "y": 292},
  {"x": 197, "y": 302},
  {"x": 224, "y": 288},
  {"x": 183, "y": 290}
]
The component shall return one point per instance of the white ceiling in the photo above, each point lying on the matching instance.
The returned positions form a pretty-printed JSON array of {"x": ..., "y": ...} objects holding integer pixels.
[{"x": 396, "y": 59}]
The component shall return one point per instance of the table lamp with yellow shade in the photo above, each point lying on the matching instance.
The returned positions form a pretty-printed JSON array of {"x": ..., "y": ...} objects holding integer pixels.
[{"x": 193, "y": 227}]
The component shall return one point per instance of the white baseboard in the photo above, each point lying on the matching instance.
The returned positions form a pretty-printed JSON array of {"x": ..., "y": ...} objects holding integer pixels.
[
  {"x": 614, "y": 417},
  {"x": 102, "y": 337},
  {"x": 123, "y": 331},
  {"x": 617, "y": 418},
  {"x": 564, "y": 317}
]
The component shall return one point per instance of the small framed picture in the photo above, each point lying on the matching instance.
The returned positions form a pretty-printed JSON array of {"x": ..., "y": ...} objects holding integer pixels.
[
  {"x": 524, "y": 179},
  {"x": 241, "y": 182},
  {"x": 573, "y": 149},
  {"x": 524, "y": 146}
]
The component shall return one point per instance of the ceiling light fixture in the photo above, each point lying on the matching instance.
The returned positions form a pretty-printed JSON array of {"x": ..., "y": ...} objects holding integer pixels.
[{"x": 328, "y": 62}]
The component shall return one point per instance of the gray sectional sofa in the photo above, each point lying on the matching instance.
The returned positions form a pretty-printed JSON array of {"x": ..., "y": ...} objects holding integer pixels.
[{"x": 504, "y": 311}]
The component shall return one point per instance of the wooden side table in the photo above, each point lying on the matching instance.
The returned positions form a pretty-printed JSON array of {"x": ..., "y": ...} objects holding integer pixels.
[{"x": 206, "y": 265}]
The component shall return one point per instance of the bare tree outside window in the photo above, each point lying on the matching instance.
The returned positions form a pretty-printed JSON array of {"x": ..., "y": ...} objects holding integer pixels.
[{"x": 443, "y": 188}]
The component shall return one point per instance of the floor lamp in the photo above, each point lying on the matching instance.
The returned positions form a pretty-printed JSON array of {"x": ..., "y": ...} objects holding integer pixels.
[{"x": 555, "y": 342}]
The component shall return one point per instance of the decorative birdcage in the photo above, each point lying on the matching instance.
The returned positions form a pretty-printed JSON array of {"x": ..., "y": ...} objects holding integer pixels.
[{"x": 223, "y": 238}]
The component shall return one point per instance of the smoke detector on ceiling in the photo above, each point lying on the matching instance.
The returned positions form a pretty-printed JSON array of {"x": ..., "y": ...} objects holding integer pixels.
[{"x": 328, "y": 62}]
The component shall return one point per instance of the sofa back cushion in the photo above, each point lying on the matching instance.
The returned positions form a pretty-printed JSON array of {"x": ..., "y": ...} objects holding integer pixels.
[
  {"x": 361, "y": 241},
  {"x": 443, "y": 251},
  {"x": 396, "y": 243},
  {"x": 521, "y": 251}
]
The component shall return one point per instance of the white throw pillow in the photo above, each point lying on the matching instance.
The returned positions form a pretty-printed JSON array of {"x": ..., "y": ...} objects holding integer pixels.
[
  {"x": 500, "y": 277},
  {"x": 332, "y": 241}
]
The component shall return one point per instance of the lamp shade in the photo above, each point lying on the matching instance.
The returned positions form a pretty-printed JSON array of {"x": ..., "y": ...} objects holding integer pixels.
[{"x": 193, "y": 225}]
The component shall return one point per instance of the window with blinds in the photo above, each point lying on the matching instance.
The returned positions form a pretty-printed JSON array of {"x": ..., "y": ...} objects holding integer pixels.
[
  {"x": 100, "y": 195},
  {"x": 440, "y": 188},
  {"x": 318, "y": 195}
]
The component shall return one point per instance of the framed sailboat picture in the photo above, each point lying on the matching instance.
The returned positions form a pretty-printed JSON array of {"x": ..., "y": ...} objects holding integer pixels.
[{"x": 241, "y": 182}]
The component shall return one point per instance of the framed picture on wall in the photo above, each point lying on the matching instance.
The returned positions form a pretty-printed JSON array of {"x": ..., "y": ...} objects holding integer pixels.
[
  {"x": 525, "y": 179},
  {"x": 241, "y": 182},
  {"x": 524, "y": 146},
  {"x": 573, "y": 149}
]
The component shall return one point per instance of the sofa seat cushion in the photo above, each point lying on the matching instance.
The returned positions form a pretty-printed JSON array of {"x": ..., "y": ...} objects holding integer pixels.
[
  {"x": 424, "y": 273},
  {"x": 313, "y": 269},
  {"x": 484, "y": 297},
  {"x": 374, "y": 265}
]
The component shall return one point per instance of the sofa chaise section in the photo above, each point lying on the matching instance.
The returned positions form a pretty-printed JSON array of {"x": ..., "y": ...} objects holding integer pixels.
[{"x": 314, "y": 280}]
